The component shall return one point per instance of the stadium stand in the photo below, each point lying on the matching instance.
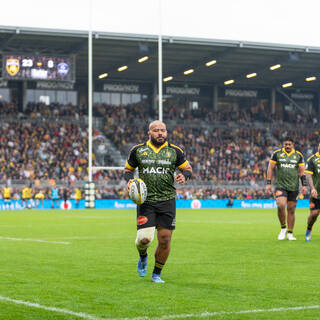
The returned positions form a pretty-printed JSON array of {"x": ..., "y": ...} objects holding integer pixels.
[{"x": 229, "y": 152}]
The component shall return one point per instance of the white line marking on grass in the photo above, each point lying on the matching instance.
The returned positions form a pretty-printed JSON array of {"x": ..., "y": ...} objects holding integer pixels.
[
  {"x": 216, "y": 221},
  {"x": 221, "y": 313},
  {"x": 59, "y": 310},
  {"x": 165, "y": 317},
  {"x": 34, "y": 240}
]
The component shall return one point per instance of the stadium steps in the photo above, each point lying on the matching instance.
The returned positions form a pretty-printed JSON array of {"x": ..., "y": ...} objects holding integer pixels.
[{"x": 106, "y": 153}]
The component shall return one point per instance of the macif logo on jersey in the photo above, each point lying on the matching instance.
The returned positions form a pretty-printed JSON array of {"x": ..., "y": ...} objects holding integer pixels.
[
  {"x": 287, "y": 165},
  {"x": 63, "y": 68},
  {"x": 159, "y": 170}
]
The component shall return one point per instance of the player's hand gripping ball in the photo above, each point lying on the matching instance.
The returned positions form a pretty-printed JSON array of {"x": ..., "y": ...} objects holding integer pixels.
[{"x": 138, "y": 191}]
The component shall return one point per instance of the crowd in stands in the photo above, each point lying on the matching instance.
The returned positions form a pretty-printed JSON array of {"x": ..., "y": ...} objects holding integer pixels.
[
  {"x": 228, "y": 112},
  {"x": 43, "y": 150},
  {"x": 236, "y": 154},
  {"x": 42, "y": 111},
  {"x": 54, "y": 110}
]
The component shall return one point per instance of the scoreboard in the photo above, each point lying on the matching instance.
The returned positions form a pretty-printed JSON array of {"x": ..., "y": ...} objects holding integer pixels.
[{"x": 28, "y": 67}]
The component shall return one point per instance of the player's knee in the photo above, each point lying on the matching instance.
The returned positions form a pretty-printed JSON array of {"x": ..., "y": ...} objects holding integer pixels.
[
  {"x": 164, "y": 241},
  {"x": 145, "y": 237}
]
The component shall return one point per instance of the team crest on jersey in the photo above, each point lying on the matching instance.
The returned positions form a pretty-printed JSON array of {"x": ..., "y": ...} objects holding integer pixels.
[
  {"x": 12, "y": 66},
  {"x": 282, "y": 155},
  {"x": 294, "y": 157},
  {"x": 168, "y": 154},
  {"x": 145, "y": 153}
]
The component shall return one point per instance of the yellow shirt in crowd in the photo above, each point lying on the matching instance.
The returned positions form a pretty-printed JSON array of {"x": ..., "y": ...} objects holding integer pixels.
[
  {"x": 78, "y": 194},
  {"x": 26, "y": 193},
  {"x": 6, "y": 193}
]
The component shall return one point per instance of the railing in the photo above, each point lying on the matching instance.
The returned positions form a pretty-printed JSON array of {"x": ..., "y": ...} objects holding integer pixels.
[{"x": 122, "y": 184}]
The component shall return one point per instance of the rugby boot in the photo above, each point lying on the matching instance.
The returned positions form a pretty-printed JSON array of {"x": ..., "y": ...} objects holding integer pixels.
[
  {"x": 282, "y": 234},
  {"x": 308, "y": 235},
  {"x": 291, "y": 237},
  {"x": 156, "y": 278}
]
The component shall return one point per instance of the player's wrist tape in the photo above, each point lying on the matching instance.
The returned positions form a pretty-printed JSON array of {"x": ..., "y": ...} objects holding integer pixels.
[
  {"x": 128, "y": 175},
  {"x": 187, "y": 174},
  {"x": 268, "y": 181},
  {"x": 303, "y": 180}
]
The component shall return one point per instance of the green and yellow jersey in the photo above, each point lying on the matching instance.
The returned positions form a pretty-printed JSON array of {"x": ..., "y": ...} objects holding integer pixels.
[
  {"x": 156, "y": 168},
  {"x": 313, "y": 167},
  {"x": 287, "y": 165}
]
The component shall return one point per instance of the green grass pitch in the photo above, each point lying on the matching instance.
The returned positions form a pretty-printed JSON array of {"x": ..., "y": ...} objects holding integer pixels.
[{"x": 222, "y": 262}]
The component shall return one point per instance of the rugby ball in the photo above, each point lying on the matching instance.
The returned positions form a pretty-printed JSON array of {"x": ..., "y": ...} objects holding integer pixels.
[{"x": 138, "y": 191}]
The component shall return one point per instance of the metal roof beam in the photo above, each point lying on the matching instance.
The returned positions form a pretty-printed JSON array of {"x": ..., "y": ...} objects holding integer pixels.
[{"x": 7, "y": 38}]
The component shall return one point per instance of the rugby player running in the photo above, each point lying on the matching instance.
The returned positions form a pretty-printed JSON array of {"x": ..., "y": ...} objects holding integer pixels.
[
  {"x": 313, "y": 178},
  {"x": 290, "y": 166},
  {"x": 156, "y": 161}
]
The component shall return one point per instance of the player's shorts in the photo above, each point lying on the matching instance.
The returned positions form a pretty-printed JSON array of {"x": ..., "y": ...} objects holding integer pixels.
[
  {"x": 290, "y": 195},
  {"x": 157, "y": 214},
  {"x": 314, "y": 204}
]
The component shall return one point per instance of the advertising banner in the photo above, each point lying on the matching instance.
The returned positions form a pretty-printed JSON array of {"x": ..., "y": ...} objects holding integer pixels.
[{"x": 128, "y": 204}]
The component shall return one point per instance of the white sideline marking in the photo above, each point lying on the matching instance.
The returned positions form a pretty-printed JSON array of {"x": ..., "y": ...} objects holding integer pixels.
[
  {"x": 165, "y": 317},
  {"x": 219, "y": 313},
  {"x": 59, "y": 310},
  {"x": 216, "y": 221},
  {"x": 34, "y": 240}
]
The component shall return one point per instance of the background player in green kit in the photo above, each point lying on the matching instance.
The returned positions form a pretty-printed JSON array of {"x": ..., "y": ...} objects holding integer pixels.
[
  {"x": 290, "y": 166},
  {"x": 156, "y": 161},
  {"x": 313, "y": 178}
]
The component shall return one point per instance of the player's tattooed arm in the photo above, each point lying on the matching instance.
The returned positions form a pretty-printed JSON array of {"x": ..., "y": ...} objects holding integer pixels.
[{"x": 314, "y": 192}]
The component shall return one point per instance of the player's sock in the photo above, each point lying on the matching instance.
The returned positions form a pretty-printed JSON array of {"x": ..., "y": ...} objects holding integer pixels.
[
  {"x": 309, "y": 227},
  {"x": 283, "y": 226},
  {"x": 158, "y": 266},
  {"x": 290, "y": 230},
  {"x": 143, "y": 255}
]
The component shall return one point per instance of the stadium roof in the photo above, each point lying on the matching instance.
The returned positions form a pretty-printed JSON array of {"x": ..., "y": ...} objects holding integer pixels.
[{"x": 234, "y": 59}]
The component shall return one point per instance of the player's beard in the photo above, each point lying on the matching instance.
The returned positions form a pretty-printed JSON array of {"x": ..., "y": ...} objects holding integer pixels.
[{"x": 158, "y": 143}]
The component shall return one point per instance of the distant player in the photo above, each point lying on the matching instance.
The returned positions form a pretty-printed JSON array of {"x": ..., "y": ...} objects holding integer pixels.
[
  {"x": 7, "y": 196},
  {"x": 290, "y": 166},
  {"x": 313, "y": 178},
  {"x": 156, "y": 161},
  {"x": 77, "y": 197},
  {"x": 55, "y": 197},
  {"x": 27, "y": 197},
  {"x": 39, "y": 197},
  {"x": 65, "y": 196}
]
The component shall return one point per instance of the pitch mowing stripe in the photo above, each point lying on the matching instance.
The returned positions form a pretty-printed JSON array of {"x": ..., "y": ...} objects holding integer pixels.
[
  {"x": 165, "y": 317},
  {"x": 34, "y": 240}
]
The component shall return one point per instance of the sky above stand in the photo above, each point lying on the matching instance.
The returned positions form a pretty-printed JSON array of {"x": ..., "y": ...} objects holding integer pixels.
[{"x": 292, "y": 22}]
